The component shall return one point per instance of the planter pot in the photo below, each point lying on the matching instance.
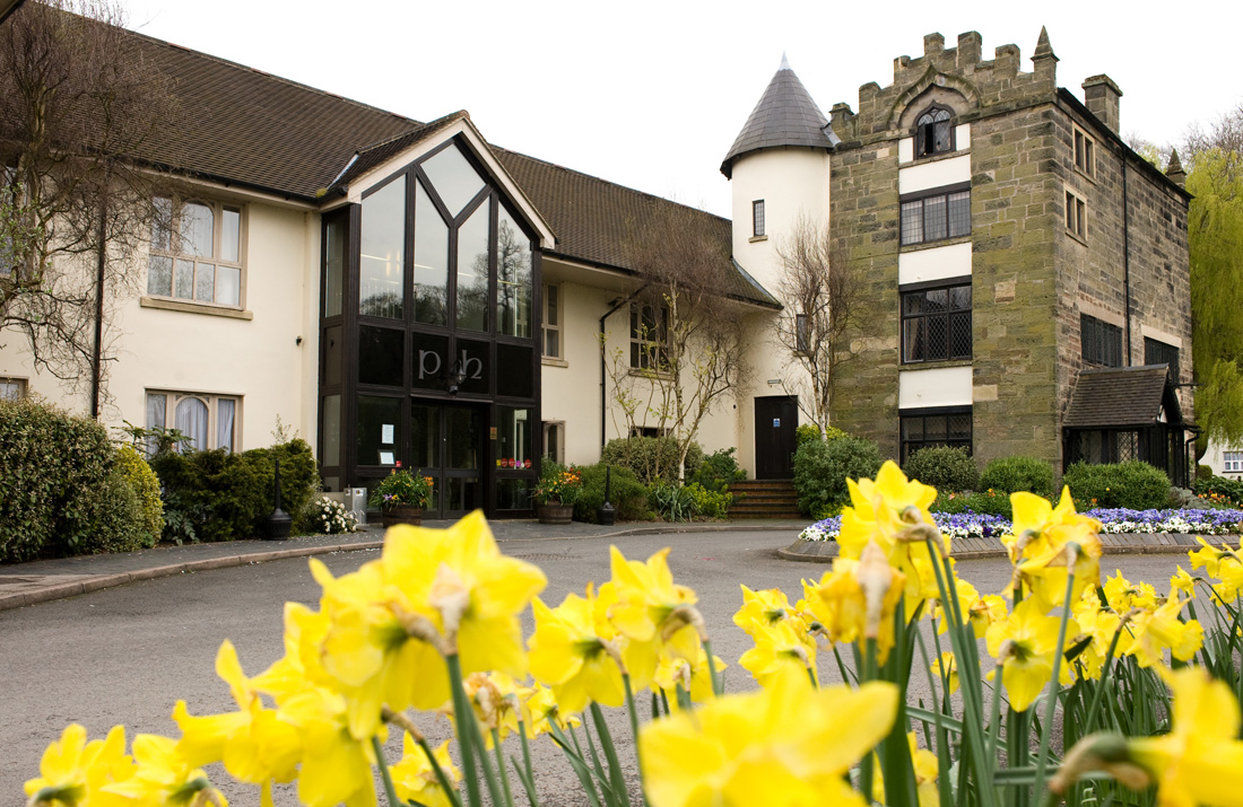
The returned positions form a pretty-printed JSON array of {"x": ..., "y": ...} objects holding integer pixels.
[
  {"x": 555, "y": 513},
  {"x": 402, "y": 514}
]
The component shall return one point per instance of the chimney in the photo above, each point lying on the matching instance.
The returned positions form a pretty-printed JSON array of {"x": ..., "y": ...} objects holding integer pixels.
[
  {"x": 1174, "y": 170},
  {"x": 1101, "y": 95}
]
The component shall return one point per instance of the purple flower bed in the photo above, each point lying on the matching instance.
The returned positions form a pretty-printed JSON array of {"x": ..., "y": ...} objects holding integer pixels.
[{"x": 1116, "y": 520}]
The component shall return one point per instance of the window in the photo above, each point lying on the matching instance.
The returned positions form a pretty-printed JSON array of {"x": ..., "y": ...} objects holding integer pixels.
[
  {"x": 209, "y": 421},
  {"x": 196, "y": 252},
  {"x": 802, "y": 333},
  {"x": 649, "y": 334},
  {"x": 936, "y": 324},
  {"x": 8, "y": 198},
  {"x": 934, "y": 132},
  {"x": 923, "y": 428},
  {"x": 1157, "y": 352},
  {"x": 1232, "y": 462},
  {"x": 648, "y": 431},
  {"x": 554, "y": 440},
  {"x": 1100, "y": 341},
  {"x": 552, "y": 321},
  {"x": 936, "y": 217},
  {"x": 1076, "y": 215},
  {"x": 1085, "y": 153},
  {"x": 12, "y": 389},
  {"x": 757, "y": 218}
]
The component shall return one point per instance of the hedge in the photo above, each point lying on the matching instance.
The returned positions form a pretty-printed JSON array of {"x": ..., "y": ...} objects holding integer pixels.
[
  {"x": 1133, "y": 485},
  {"x": 651, "y": 458},
  {"x": 1014, "y": 474},
  {"x": 944, "y": 468},
  {"x": 821, "y": 469},
  {"x": 627, "y": 494}
]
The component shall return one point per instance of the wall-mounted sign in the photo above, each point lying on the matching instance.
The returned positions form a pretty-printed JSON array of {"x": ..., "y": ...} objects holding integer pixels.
[
  {"x": 429, "y": 363},
  {"x": 386, "y": 433},
  {"x": 386, "y": 458},
  {"x": 491, "y": 432},
  {"x": 776, "y": 423}
]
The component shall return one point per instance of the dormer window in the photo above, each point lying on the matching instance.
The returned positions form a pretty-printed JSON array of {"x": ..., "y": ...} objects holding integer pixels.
[{"x": 934, "y": 132}]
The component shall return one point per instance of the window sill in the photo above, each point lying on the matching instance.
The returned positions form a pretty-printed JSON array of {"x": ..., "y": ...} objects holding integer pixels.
[
  {"x": 652, "y": 375},
  {"x": 189, "y": 307},
  {"x": 755, "y": 239},
  {"x": 935, "y": 364},
  {"x": 944, "y": 242},
  {"x": 1090, "y": 177},
  {"x": 553, "y": 361},
  {"x": 932, "y": 158},
  {"x": 1074, "y": 236}
]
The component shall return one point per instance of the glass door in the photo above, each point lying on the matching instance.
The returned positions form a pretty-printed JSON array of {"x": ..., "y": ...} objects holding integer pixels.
[{"x": 447, "y": 445}]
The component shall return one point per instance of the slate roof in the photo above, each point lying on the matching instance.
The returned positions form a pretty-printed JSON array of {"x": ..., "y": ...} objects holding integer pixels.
[
  {"x": 1120, "y": 397},
  {"x": 785, "y": 116}
]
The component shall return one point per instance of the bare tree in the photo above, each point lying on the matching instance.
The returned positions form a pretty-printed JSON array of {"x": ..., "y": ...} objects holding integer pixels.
[
  {"x": 686, "y": 349},
  {"x": 79, "y": 104},
  {"x": 824, "y": 305}
]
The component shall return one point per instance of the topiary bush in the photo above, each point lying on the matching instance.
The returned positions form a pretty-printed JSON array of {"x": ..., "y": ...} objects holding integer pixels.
[
  {"x": 821, "y": 469},
  {"x": 651, "y": 458},
  {"x": 1135, "y": 485},
  {"x": 60, "y": 489},
  {"x": 628, "y": 495},
  {"x": 1013, "y": 474},
  {"x": 944, "y": 468},
  {"x": 146, "y": 487},
  {"x": 718, "y": 471}
]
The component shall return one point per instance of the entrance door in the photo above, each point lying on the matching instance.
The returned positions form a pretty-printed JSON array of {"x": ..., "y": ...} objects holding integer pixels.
[
  {"x": 775, "y": 420},
  {"x": 448, "y": 446}
]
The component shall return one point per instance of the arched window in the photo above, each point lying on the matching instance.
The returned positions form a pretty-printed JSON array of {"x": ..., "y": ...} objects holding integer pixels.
[{"x": 934, "y": 132}]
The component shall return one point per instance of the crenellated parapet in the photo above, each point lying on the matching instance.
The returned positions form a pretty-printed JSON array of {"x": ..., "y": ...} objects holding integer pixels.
[{"x": 956, "y": 77}]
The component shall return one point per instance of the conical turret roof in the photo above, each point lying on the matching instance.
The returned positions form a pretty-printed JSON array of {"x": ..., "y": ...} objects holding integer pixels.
[{"x": 785, "y": 116}]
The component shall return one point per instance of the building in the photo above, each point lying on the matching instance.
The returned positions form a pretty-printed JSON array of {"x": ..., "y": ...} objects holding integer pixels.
[
  {"x": 402, "y": 292},
  {"x": 1032, "y": 270}
]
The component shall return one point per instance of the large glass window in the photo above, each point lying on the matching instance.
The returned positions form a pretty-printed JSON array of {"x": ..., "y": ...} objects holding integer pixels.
[
  {"x": 1101, "y": 342},
  {"x": 936, "y": 217},
  {"x": 382, "y": 251},
  {"x": 935, "y": 427},
  {"x": 377, "y": 435},
  {"x": 552, "y": 321},
  {"x": 513, "y": 277},
  {"x": 472, "y": 272},
  {"x": 514, "y": 435},
  {"x": 455, "y": 181},
  {"x": 208, "y": 421},
  {"x": 431, "y": 261},
  {"x": 196, "y": 252},
  {"x": 936, "y": 324},
  {"x": 334, "y": 264}
]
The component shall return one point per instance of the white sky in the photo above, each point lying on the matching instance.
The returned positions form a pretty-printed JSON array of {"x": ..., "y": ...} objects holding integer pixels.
[{"x": 651, "y": 94}]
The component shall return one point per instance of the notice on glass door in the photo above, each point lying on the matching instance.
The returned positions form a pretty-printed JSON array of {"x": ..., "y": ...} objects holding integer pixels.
[
  {"x": 387, "y": 458},
  {"x": 386, "y": 434}
]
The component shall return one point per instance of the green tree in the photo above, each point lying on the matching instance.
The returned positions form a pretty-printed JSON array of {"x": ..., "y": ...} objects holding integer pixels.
[{"x": 1215, "y": 240}]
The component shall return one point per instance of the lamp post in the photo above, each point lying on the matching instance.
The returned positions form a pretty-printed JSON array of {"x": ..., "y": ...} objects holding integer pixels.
[{"x": 605, "y": 513}]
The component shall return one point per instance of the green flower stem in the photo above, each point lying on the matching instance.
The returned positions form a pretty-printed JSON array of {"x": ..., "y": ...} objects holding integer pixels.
[
  {"x": 634, "y": 730},
  {"x": 994, "y": 713},
  {"x": 1046, "y": 730},
  {"x": 717, "y": 689},
  {"x": 385, "y": 776},
  {"x": 616, "y": 777},
  {"x": 445, "y": 783},
  {"x": 500, "y": 766},
  {"x": 489, "y": 776},
  {"x": 1089, "y": 725},
  {"x": 526, "y": 761},
  {"x": 465, "y": 718}
]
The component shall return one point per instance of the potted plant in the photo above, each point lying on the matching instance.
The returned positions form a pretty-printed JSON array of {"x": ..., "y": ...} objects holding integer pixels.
[
  {"x": 558, "y": 489},
  {"x": 402, "y": 497}
]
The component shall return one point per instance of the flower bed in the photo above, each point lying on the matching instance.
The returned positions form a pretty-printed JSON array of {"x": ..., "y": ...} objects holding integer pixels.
[{"x": 1113, "y": 521}]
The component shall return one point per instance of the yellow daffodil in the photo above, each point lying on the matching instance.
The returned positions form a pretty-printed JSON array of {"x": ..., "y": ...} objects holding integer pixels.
[
  {"x": 73, "y": 771},
  {"x": 494, "y": 697},
  {"x": 1098, "y": 625},
  {"x": 162, "y": 776},
  {"x": 760, "y": 609},
  {"x": 648, "y": 606},
  {"x": 777, "y": 646},
  {"x": 946, "y": 668},
  {"x": 1123, "y": 595},
  {"x": 569, "y": 654},
  {"x": 1154, "y": 632},
  {"x": 980, "y": 610},
  {"x": 1048, "y": 542},
  {"x": 414, "y": 778},
  {"x": 336, "y": 766},
  {"x": 1024, "y": 644},
  {"x": 540, "y": 711},
  {"x": 786, "y": 745},
  {"x": 1183, "y": 583},
  {"x": 694, "y": 677},
  {"x": 857, "y": 600},
  {"x": 924, "y": 764},
  {"x": 1201, "y": 760}
]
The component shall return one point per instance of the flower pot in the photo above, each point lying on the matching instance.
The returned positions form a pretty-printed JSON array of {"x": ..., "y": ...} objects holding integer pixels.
[
  {"x": 401, "y": 514},
  {"x": 555, "y": 513}
]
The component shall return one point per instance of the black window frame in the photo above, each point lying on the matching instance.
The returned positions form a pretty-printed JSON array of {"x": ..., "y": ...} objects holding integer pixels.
[
  {"x": 922, "y": 200},
  {"x": 1076, "y": 215},
  {"x": 906, "y": 417},
  {"x": 925, "y": 129},
  {"x": 923, "y": 320},
  {"x": 1159, "y": 352},
  {"x": 649, "y": 337},
  {"x": 758, "y": 221},
  {"x": 1100, "y": 342}
]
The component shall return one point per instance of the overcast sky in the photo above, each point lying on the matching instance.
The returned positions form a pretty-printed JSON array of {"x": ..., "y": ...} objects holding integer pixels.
[{"x": 652, "y": 94}]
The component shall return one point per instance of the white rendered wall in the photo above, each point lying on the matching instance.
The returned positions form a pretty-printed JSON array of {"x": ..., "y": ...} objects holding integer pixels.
[
  {"x": 934, "y": 174},
  {"x": 934, "y": 263},
  {"x": 938, "y": 386},
  {"x": 962, "y": 142}
]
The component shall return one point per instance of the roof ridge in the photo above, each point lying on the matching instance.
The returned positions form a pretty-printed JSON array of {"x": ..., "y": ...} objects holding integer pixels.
[
  {"x": 256, "y": 71},
  {"x": 608, "y": 182}
]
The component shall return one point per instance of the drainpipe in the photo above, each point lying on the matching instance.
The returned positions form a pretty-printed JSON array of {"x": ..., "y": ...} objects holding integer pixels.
[
  {"x": 1126, "y": 260},
  {"x": 97, "y": 358},
  {"x": 603, "y": 379}
]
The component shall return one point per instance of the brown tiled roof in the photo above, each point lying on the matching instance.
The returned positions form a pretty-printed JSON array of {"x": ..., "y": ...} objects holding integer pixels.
[{"x": 1117, "y": 397}]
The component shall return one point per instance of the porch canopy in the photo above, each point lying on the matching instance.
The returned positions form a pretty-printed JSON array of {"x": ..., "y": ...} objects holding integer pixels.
[{"x": 1126, "y": 413}]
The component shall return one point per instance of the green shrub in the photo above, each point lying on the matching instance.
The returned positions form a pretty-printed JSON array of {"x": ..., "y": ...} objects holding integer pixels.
[
  {"x": 651, "y": 458},
  {"x": 718, "y": 471},
  {"x": 710, "y": 503},
  {"x": 1013, "y": 474},
  {"x": 1204, "y": 472},
  {"x": 989, "y": 502},
  {"x": 1134, "y": 484},
  {"x": 1220, "y": 488},
  {"x": 943, "y": 468},
  {"x": 671, "y": 502},
  {"x": 628, "y": 495},
  {"x": 834, "y": 433},
  {"x": 821, "y": 469},
  {"x": 60, "y": 490},
  {"x": 146, "y": 487},
  {"x": 806, "y": 432}
]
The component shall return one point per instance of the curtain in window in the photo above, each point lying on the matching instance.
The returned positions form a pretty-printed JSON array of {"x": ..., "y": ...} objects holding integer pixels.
[
  {"x": 191, "y": 420},
  {"x": 157, "y": 406},
  {"x": 226, "y": 410}
]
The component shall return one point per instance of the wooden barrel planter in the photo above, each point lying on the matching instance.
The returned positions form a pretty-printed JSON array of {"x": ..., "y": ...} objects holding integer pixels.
[
  {"x": 555, "y": 513},
  {"x": 402, "y": 514}
]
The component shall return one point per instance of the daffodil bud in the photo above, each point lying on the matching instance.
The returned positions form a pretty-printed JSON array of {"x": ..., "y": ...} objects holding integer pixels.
[
  {"x": 1100, "y": 752},
  {"x": 450, "y": 596},
  {"x": 875, "y": 577}
]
